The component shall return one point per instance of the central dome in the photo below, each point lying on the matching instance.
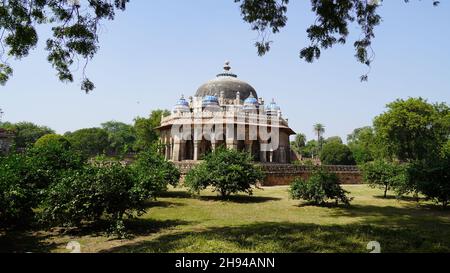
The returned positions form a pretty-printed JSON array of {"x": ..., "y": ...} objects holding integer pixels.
[{"x": 228, "y": 84}]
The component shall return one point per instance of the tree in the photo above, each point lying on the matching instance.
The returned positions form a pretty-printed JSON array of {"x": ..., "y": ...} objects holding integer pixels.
[
  {"x": 26, "y": 133},
  {"x": 335, "y": 153},
  {"x": 75, "y": 27},
  {"x": 145, "y": 128},
  {"x": 319, "y": 188},
  {"x": 90, "y": 142},
  {"x": 310, "y": 149},
  {"x": 226, "y": 171},
  {"x": 319, "y": 129},
  {"x": 413, "y": 129},
  {"x": 121, "y": 136},
  {"x": 331, "y": 25},
  {"x": 17, "y": 197},
  {"x": 93, "y": 193},
  {"x": 52, "y": 139},
  {"x": 299, "y": 143},
  {"x": 385, "y": 174},
  {"x": 154, "y": 173},
  {"x": 335, "y": 139},
  {"x": 433, "y": 179},
  {"x": 362, "y": 143}
]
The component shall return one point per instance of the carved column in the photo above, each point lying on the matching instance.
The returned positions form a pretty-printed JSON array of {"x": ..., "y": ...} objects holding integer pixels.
[{"x": 197, "y": 144}]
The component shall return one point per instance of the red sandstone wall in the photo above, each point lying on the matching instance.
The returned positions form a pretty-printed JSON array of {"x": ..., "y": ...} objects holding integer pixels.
[
  {"x": 283, "y": 180},
  {"x": 284, "y": 174}
]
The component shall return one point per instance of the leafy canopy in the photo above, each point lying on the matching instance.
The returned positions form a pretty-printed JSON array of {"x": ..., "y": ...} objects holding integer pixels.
[
  {"x": 75, "y": 29},
  {"x": 319, "y": 188},
  {"x": 336, "y": 153},
  {"x": 413, "y": 129},
  {"x": 226, "y": 171}
]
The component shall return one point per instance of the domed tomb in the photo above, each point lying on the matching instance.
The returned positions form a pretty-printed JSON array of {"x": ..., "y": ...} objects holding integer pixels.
[{"x": 228, "y": 85}]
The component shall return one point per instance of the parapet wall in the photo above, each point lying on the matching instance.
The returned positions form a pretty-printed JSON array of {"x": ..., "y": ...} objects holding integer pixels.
[{"x": 284, "y": 174}]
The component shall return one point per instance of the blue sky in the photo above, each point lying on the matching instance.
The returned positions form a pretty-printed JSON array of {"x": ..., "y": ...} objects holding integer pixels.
[{"x": 158, "y": 50}]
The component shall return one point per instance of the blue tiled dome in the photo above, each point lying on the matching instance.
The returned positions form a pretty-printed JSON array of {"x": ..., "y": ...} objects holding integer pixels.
[
  {"x": 273, "y": 106},
  {"x": 182, "y": 106},
  {"x": 211, "y": 103},
  {"x": 272, "y": 109},
  {"x": 251, "y": 103},
  {"x": 251, "y": 100},
  {"x": 210, "y": 99}
]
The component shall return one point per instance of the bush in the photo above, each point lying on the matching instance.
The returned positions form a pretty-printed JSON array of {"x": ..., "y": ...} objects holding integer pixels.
[
  {"x": 154, "y": 173},
  {"x": 226, "y": 171},
  {"x": 17, "y": 195},
  {"x": 319, "y": 188},
  {"x": 387, "y": 175},
  {"x": 335, "y": 153},
  {"x": 49, "y": 157},
  {"x": 87, "y": 195},
  {"x": 433, "y": 178},
  {"x": 51, "y": 140}
]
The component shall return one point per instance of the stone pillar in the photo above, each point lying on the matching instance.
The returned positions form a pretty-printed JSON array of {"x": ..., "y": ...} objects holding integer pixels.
[
  {"x": 263, "y": 153},
  {"x": 197, "y": 144},
  {"x": 249, "y": 147},
  {"x": 176, "y": 151}
]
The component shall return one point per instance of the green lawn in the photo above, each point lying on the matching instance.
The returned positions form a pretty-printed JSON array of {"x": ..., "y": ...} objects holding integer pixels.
[{"x": 265, "y": 222}]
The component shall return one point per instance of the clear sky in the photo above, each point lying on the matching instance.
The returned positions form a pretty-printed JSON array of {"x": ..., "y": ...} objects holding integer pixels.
[{"x": 157, "y": 50}]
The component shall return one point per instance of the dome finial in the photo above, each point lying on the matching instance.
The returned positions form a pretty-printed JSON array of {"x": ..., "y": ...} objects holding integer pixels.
[{"x": 227, "y": 66}]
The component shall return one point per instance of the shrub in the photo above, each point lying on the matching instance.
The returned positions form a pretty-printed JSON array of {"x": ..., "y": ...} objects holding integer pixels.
[
  {"x": 83, "y": 196},
  {"x": 387, "y": 175},
  {"x": 49, "y": 157},
  {"x": 17, "y": 195},
  {"x": 51, "y": 140},
  {"x": 433, "y": 178},
  {"x": 154, "y": 173},
  {"x": 319, "y": 188},
  {"x": 226, "y": 171},
  {"x": 335, "y": 153}
]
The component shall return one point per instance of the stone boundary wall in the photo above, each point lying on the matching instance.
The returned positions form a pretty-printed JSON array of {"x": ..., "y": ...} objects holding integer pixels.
[{"x": 284, "y": 174}]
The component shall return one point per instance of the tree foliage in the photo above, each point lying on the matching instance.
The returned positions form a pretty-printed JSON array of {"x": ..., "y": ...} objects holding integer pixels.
[
  {"x": 362, "y": 143},
  {"x": 335, "y": 153},
  {"x": 226, "y": 171},
  {"x": 93, "y": 193},
  {"x": 319, "y": 188},
  {"x": 146, "y": 134},
  {"x": 75, "y": 29},
  {"x": 26, "y": 133},
  {"x": 386, "y": 175},
  {"x": 154, "y": 173},
  {"x": 17, "y": 194},
  {"x": 413, "y": 129},
  {"x": 121, "y": 136},
  {"x": 90, "y": 142}
]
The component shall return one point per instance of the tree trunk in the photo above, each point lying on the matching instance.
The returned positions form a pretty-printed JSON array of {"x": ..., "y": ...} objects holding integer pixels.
[{"x": 385, "y": 191}]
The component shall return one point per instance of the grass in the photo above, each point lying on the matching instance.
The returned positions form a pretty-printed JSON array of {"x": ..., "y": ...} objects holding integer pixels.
[{"x": 266, "y": 222}]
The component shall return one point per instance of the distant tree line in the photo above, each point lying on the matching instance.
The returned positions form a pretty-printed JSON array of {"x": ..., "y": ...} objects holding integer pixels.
[{"x": 111, "y": 138}]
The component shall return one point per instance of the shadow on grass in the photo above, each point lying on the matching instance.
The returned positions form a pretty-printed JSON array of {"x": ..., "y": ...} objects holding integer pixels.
[
  {"x": 240, "y": 199},
  {"x": 176, "y": 194},
  {"x": 134, "y": 227},
  {"x": 401, "y": 198},
  {"x": 414, "y": 216},
  {"x": 21, "y": 241},
  {"x": 163, "y": 204},
  {"x": 298, "y": 238}
]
